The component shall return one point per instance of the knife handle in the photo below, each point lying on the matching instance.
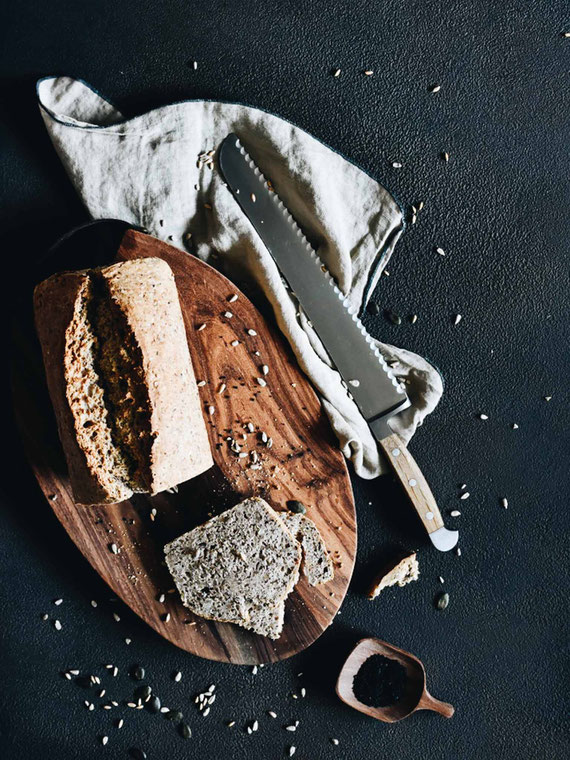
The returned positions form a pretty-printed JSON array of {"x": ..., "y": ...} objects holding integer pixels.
[{"x": 413, "y": 481}]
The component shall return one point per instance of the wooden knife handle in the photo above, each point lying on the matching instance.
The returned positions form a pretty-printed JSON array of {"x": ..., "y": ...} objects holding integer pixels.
[{"x": 413, "y": 481}]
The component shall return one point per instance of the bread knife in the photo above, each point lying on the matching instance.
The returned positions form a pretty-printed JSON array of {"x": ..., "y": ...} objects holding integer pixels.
[{"x": 377, "y": 393}]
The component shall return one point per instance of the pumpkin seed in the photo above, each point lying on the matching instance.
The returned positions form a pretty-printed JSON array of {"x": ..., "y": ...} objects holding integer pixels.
[
  {"x": 296, "y": 506},
  {"x": 442, "y": 601},
  {"x": 394, "y": 318},
  {"x": 142, "y": 692},
  {"x": 184, "y": 730},
  {"x": 153, "y": 704},
  {"x": 174, "y": 715},
  {"x": 137, "y": 673}
]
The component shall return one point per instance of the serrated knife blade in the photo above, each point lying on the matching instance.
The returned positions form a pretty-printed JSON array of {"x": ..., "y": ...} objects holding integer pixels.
[{"x": 375, "y": 390}]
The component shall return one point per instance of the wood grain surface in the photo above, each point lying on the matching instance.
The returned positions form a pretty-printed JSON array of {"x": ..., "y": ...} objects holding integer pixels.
[{"x": 303, "y": 463}]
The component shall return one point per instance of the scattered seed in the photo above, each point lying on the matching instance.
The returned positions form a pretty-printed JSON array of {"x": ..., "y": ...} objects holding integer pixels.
[
  {"x": 255, "y": 726},
  {"x": 254, "y": 670},
  {"x": 303, "y": 692},
  {"x": 441, "y": 579},
  {"x": 104, "y": 740},
  {"x": 137, "y": 754},
  {"x": 458, "y": 319},
  {"x": 228, "y": 314},
  {"x": 394, "y": 318},
  {"x": 290, "y": 728},
  {"x": 116, "y": 617},
  {"x": 128, "y": 641},
  {"x": 231, "y": 723},
  {"x": 368, "y": 72},
  {"x": 505, "y": 502},
  {"x": 138, "y": 673},
  {"x": 57, "y": 625},
  {"x": 413, "y": 318},
  {"x": 265, "y": 369},
  {"x": 292, "y": 750},
  {"x": 354, "y": 383},
  {"x": 336, "y": 73},
  {"x": 455, "y": 513},
  {"x": 185, "y": 731},
  {"x": 440, "y": 251},
  {"x": 458, "y": 551},
  {"x": 201, "y": 327},
  {"x": 261, "y": 382},
  {"x": 396, "y": 165},
  {"x": 335, "y": 742},
  {"x": 222, "y": 388},
  {"x": 177, "y": 676},
  {"x": 206, "y": 712},
  {"x": 445, "y": 156},
  {"x": 166, "y": 618},
  {"x": 234, "y": 343},
  {"x": 547, "y": 398},
  {"x": 45, "y": 616},
  {"x": 465, "y": 495},
  {"x": 114, "y": 548},
  {"x": 142, "y": 692},
  {"x": 201, "y": 384},
  {"x": 153, "y": 704},
  {"x": 483, "y": 417},
  {"x": 442, "y": 601},
  {"x": 434, "y": 87},
  {"x": 57, "y": 602},
  {"x": 515, "y": 426},
  {"x": 251, "y": 332},
  {"x": 297, "y": 507},
  {"x": 272, "y": 714},
  {"x": 211, "y": 409}
]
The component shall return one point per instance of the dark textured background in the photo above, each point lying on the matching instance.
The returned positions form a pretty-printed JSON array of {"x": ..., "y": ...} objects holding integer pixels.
[{"x": 500, "y": 208}]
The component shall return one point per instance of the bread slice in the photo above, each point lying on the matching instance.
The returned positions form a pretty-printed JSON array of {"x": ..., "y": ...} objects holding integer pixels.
[
  {"x": 238, "y": 567},
  {"x": 400, "y": 573},
  {"x": 121, "y": 380},
  {"x": 317, "y": 564}
]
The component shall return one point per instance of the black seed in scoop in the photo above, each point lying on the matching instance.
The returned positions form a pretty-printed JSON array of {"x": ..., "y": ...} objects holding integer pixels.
[
  {"x": 296, "y": 506},
  {"x": 142, "y": 692},
  {"x": 137, "y": 673},
  {"x": 372, "y": 307},
  {"x": 174, "y": 715},
  {"x": 184, "y": 731},
  {"x": 379, "y": 681},
  {"x": 153, "y": 705},
  {"x": 137, "y": 754}
]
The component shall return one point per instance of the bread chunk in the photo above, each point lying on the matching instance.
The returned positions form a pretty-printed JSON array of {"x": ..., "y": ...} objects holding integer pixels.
[
  {"x": 399, "y": 573},
  {"x": 317, "y": 564},
  {"x": 120, "y": 378}
]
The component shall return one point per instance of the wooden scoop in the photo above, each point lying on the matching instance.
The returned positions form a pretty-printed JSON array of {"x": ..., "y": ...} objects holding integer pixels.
[{"x": 416, "y": 696}]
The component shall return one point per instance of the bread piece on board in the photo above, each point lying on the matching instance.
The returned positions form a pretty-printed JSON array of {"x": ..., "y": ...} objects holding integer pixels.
[
  {"x": 400, "y": 572},
  {"x": 121, "y": 381},
  {"x": 317, "y": 564},
  {"x": 238, "y": 567}
]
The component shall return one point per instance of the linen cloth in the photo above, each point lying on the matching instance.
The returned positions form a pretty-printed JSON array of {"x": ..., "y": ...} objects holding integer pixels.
[{"x": 146, "y": 171}]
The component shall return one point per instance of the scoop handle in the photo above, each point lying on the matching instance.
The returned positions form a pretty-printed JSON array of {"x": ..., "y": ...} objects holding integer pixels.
[{"x": 427, "y": 702}]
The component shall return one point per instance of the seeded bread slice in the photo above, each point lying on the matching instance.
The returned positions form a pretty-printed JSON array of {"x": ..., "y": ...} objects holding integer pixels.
[
  {"x": 238, "y": 567},
  {"x": 400, "y": 573},
  {"x": 317, "y": 564}
]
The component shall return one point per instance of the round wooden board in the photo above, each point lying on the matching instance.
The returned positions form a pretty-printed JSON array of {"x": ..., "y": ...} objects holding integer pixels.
[{"x": 304, "y": 463}]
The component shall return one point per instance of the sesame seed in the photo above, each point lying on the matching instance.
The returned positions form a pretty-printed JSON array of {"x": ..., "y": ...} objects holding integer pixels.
[
  {"x": 290, "y": 728},
  {"x": 441, "y": 579},
  {"x": 547, "y": 398},
  {"x": 292, "y": 750},
  {"x": 458, "y": 552},
  {"x": 272, "y": 714},
  {"x": 211, "y": 409},
  {"x": 57, "y": 625},
  {"x": 114, "y": 548},
  {"x": 201, "y": 327},
  {"x": 455, "y": 513},
  {"x": 253, "y": 198},
  {"x": 104, "y": 740},
  {"x": 336, "y": 73},
  {"x": 228, "y": 314},
  {"x": 335, "y": 742},
  {"x": 128, "y": 641},
  {"x": 434, "y": 88},
  {"x": 231, "y": 723},
  {"x": 354, "y": 383},
  {"x": 265, "y": 369},
  {"x": 515, "y": 426},
  {"x": 483, "y": 417},
  {"x": 261, "y": 382},
  {"x": 222, "y": 388},
  {"x": 303, "y": 692},
  {"x": 250, "y": 427},
  {"x": 177, "y": 676},
  {"x": 254, "y": 670},
  {"x": 166, "y": 618},
  {"x": 194, "y": 65},
  {"x": 206, "y": 712},
  {"x": 458, "y": 319},
  {"x": 251, "y": 332},
  {"x": 396, "y": 165},
  {"x": 116, "y": 617},
  {"x": 255, "y": 726},
  {"x": 115, "y": 669},
  {"x": 234, "y": 343},
  {"x": 368, "y": 72},
  {"x": 57, "y": 602},
  {"x": 233, "y": 298},
  {"x": 445, "y": 156},
  {"x": 45, "y": 616},
  {"x": 465, "y": 495},
  {"x": 121, "y": 723},
  {"x": 505, "y": 502}
]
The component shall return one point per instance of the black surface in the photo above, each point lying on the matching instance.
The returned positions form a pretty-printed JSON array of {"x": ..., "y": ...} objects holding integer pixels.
[{"x": 500, "y": 209}]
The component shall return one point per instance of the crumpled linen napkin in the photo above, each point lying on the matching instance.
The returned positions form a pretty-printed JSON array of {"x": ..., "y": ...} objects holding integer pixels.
[{"x": 146, "y": 171}]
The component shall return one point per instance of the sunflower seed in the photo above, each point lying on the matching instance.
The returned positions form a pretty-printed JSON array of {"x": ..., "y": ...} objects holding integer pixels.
[{"x": 442, "y": 601}]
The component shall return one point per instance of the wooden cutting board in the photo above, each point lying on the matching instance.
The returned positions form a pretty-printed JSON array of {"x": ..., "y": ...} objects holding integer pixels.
[{"x": 304, "y": 463}]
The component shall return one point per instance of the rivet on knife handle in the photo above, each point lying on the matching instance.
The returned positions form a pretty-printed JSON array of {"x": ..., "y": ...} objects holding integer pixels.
[{"x": 377, "y": 393}]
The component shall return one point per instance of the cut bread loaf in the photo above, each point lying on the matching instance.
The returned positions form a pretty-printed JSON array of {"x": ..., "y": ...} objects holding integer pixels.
[
  {"x": 238, "y": 567},
  {"x": 121, "y": 381},
  {"x": 400, "y": 572},
  {"x": 317, "y": 564}
]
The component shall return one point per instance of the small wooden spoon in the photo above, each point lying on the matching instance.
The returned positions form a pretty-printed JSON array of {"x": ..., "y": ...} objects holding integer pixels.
[{"x": 416, "y": 696}]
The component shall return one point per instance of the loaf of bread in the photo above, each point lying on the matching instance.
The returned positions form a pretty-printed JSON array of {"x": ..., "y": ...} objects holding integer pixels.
[
  {"x": 238, "y": 567},
  {"x": 121, "y": 381},
  {"x": 317, "y": 564}
]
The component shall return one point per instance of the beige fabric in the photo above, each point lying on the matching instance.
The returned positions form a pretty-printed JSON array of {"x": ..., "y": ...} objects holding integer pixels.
[{"x": 144, "y": 170}]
